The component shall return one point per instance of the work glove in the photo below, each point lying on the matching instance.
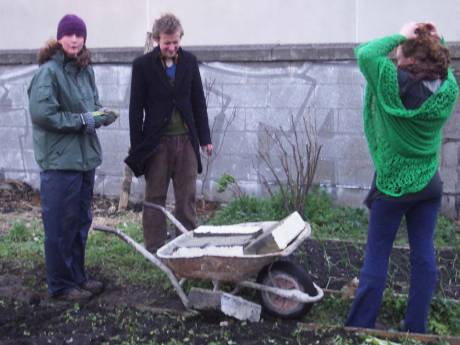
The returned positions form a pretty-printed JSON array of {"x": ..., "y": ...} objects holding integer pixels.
[{"x": 105, "y": 117}]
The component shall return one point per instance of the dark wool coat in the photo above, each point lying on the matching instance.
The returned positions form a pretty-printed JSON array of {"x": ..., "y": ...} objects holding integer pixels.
[{"x": 153, "y": 99}]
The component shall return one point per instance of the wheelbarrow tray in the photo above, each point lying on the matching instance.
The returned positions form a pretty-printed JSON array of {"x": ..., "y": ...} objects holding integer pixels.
[{"x": 223, "y": 268}]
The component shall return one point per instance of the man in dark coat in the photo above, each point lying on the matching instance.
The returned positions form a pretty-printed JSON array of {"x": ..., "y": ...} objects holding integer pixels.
[{"x": 168, "y": 123}]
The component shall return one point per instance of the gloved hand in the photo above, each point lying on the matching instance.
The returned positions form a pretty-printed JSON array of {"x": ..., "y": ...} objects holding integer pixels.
[{"x": 105, "y": 117}]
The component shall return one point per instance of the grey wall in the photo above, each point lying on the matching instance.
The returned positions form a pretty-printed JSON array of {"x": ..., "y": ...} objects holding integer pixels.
[{"x": 263, "y": 86}]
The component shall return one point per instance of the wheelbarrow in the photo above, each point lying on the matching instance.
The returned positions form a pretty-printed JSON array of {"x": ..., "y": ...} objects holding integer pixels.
[{"x": 286, "y": 290}]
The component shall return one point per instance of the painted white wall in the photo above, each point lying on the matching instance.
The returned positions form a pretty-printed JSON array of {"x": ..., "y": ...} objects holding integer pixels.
[{"x": 26, "y": 24}]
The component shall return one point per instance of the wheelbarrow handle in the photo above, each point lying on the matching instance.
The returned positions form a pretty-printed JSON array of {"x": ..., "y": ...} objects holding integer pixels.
[
  {"x": 149, "y": 256},
  {"x": 168, "y": 214}
]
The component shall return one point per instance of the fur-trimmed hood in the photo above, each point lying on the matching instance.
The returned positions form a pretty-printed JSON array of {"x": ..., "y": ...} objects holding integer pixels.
[{"x": 52, "y": 47}]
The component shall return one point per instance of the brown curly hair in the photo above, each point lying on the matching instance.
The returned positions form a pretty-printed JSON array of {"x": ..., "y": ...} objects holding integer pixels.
[
  {"x": 52, "y": 46},
  {"x": 431, "y": 57}
]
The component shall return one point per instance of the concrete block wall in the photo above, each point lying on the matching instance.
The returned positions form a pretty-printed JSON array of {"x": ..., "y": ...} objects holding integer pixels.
[{"x": 259, "y": 87}]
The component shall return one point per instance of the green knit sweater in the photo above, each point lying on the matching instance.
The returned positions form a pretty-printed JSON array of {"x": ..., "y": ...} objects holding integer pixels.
[{"x": 404, "y": 144}]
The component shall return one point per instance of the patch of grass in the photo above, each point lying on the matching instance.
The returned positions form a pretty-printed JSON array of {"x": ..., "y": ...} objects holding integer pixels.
[
  {"x": 444, "y": 318},
  {"x": 332, "y": 310},
  {"x": 23, "y": 244},
  {"x": 118, "y": 259}
]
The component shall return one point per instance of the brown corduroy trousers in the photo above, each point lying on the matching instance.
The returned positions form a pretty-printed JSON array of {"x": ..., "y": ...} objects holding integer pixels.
[{"x": 174, "y": 160}]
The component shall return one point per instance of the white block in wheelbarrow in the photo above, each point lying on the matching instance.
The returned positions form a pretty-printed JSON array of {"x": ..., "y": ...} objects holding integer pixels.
[
  {"x": 228, "y": 230},
  {"x": 277, "y": 237}
]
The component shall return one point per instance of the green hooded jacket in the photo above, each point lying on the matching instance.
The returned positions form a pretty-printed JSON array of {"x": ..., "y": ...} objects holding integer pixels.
[{"x": 59, "y": 93}]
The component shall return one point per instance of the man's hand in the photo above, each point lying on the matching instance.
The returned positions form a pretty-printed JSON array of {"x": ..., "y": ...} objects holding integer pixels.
[{"x": 207, "y": 148}]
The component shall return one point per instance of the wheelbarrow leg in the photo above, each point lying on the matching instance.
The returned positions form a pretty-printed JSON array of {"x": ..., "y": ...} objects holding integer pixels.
[{"x": 151, "y": 257}]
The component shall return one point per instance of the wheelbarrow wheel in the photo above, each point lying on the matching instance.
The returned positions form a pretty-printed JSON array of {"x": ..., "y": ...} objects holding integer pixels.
[{"x": 285, "y": 275}]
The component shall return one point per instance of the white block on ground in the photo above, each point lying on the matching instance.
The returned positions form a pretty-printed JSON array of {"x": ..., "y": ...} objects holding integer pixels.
[{"x": 240, "y": 308}]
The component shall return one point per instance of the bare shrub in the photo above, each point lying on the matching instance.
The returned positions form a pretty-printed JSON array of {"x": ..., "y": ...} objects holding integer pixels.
[{"x": 291, "y": 158}]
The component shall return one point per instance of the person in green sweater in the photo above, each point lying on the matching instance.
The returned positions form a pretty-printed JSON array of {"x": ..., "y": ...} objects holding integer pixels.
[{"x": 405, "y": 108}]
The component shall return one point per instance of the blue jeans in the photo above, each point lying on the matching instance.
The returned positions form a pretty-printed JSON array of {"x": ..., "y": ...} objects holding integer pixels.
[
  {"x": 66, "y": 213},
  {"x": 385, "y": 218}
]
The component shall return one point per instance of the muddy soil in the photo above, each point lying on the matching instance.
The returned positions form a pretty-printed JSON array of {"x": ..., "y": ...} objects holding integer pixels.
[{"x": 151, "y": 315}]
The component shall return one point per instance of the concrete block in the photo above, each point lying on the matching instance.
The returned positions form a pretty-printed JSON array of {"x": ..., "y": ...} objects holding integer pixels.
[
  {"x": 105, "y": 74},
  {"x": 344, "y": 147},
  {"x": 112, "y": 186},
  {"x": 350, "y": 121},
  {"x": 291, "y": 94},
  {"x": 203, "y": 299},
  {"x": 214, "y": 94},
  {"x": 228, "y": 304},
  {"x": 11, "y": 159},
  {"x": 225, "y": 73},
  {"x": 247, "y": 95},
  {"x": 355, "y": 173},
  {"x": 240, "y": 308},
  {"x": 238, "y": 166},
  {"x": 13, "y": 95},
  {"x": 278, "y": 236},
  {"x": 31, "y": 178},
  {"x": 137, "y": 189},
  {"x": 451, "y": 128},
  {"x": 324, "y": 120},
  {"x": 450, "y": 177},
  {"x": 114, "y": 140},
  {"x": 345, "y": 72},
  {"x": 451, "y": 206},
  {"x": 111, "y": 95},
  {"x": 13, "y": 117},
  {"x": 29, "y": 161},
  {"x": 338, "y": 96},
  {"x": 264, "y": 116},
  {"x": 10, "y": 137},
  {"x": 238, "y": 142},
  {"x": 124, "y": 74},
  {"x": 27, "y": 138},
  {"x": 450, "y": 154},
  {"x": 17, "y": 74},
  {"x": 123, "y": 121},
  {"x": 326, "y": 172},
  {"x": 232, "y": 119},
  {"x": 112, "y": 163},
  {"x": 344, "y": 196}
]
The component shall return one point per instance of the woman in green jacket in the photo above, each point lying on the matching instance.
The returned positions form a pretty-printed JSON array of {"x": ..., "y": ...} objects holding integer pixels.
[
  {"x": 65, "y": 111},
  {"x": 405, "y": 108}
]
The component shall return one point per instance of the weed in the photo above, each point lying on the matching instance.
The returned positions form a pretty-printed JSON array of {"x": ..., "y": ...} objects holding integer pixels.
[{"x": 339, "y": 340}]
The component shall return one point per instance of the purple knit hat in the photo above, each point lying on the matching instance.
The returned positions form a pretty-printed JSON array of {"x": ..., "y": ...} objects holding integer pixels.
[{"x": 71, "y": 24}]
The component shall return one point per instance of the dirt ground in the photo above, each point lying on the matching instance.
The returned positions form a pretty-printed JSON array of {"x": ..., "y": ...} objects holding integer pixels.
[{"x": 151, "y": 315}]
